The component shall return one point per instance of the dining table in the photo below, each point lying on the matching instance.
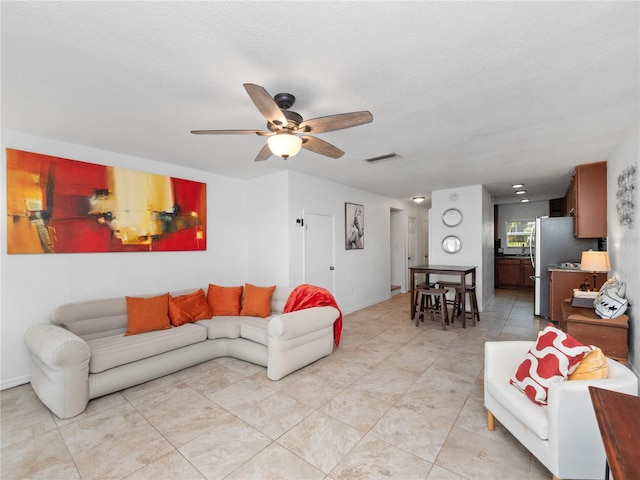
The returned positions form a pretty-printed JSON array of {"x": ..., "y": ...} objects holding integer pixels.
[{"x": 461, "y": 271}]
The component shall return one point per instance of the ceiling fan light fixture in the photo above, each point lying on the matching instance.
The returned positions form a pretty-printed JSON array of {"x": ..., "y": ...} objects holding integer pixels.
[{"x": 284, "y": 145}]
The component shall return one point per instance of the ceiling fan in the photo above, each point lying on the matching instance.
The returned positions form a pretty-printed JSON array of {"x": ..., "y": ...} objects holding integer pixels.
[{"x": 287, "y": 131}]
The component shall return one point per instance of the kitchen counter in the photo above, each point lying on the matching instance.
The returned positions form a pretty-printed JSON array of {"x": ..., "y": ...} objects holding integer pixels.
[{"x": 560, "y": 268}]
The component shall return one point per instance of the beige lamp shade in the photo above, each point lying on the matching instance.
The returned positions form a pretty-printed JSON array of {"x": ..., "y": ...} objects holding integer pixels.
[
  {"x": 595, "y": 261},
  {"x": 284, "y": 145}
]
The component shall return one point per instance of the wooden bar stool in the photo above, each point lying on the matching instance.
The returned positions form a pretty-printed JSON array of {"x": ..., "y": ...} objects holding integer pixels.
[
  {"x": 422, "y": 285},
  {"x": 456, "y": 308},
  {"x": 473, "y": 314},
  {"x": 432, "y": 301},
  {"x": 456, "y": 302}
]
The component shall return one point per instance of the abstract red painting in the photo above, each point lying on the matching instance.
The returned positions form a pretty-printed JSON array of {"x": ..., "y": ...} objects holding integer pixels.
[{"x": 56, "y": 205}]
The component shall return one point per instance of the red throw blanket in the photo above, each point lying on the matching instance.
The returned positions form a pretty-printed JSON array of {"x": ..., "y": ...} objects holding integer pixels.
[{"x": 307, "y": 296}]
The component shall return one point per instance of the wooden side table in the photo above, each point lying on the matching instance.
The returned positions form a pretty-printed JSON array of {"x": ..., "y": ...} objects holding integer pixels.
[
  {"x": 611, "y": 335},
  {"x": 618, "y": 416}
]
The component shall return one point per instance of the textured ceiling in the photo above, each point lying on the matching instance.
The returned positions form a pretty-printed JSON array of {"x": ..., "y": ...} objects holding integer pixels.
[{"x": 466, "y": 93}]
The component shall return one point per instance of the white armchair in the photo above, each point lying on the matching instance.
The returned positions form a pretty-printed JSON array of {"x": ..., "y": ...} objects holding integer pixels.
[{"x": 564, "y": 435}]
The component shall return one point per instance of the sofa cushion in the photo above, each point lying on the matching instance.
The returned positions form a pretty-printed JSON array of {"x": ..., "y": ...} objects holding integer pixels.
[
  {"x": 530, "y": 414},
  {"x": 553, "y": 357},
  {"x": 147, "y": 314},
  {"x": 251, "y": 328},
  {"x": 257, "y": 301},
  {"x": 224, "y": 300},
  {"x": 254, "y": 329},
  {"x": 116, "y": 350},
  {"x": 227, "y": 326},
  {"x": 188, "y": 308}
]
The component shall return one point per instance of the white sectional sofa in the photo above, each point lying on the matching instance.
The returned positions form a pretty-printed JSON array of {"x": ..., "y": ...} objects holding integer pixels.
[{"x": 84, "y": 354}]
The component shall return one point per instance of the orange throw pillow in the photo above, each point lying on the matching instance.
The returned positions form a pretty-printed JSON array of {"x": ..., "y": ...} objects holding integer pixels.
[
  {"x": 224, "y": 300},
  {"x": 257, "y": 301},
  {"x": 147, "y": 314},
  {"x": 188, "y": 308}
]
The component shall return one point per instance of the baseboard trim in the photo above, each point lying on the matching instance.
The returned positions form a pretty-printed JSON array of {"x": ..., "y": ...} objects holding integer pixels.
[{"x": 14, "y": 382}]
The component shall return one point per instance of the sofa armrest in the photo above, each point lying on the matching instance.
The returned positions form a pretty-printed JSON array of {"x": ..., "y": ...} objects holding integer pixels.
[
  {"x": 299, "y": 338},
  {"x": 57, "y": 347},
  {"x": 299, "y": 323},
  {"x": 574, "y": 435},
  {"x": 59, "y": 369}
]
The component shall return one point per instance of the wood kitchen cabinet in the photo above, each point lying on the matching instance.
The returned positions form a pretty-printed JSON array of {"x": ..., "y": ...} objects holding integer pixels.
[
  {"x": 514, "y": 272},
  {"x": 586, "y": 200},
  {"x": 556, "y": 207},
  {"x": 562, "y": 283}
]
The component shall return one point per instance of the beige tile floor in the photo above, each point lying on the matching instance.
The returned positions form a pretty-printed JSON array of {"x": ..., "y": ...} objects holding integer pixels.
[{"x": 393, "y": 401}]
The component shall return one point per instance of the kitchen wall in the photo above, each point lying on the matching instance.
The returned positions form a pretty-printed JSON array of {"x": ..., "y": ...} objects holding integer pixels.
[
  {"x": 518, "y": 211},
  {"x": 624, "y": 237}
]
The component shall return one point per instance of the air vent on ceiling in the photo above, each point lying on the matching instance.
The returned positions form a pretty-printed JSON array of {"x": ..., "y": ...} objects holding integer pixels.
[{"x": 381, "y": 157}]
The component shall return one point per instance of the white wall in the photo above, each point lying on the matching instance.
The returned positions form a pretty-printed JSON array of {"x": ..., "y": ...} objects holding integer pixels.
[
  {"x": 31, "y": 285},
  {"x": 518, "y": 211},
  {"x": 477, "y": 214},
  {"x": 362, "y": 276},
  {"x": 268, "y": 241},
  {"x": 623, "y": 241},
  {"x": 488, "y": 252}
]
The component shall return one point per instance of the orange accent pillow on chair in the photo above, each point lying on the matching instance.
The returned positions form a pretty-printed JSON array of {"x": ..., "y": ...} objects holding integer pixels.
[
  {"x": 257, "y": 301},
  {"x": 147, "y": 314},
  {"x": 224, "y": 300}
]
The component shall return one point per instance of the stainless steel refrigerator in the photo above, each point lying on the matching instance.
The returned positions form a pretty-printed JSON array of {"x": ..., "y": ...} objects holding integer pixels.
[{"x": 553, "y": 243}]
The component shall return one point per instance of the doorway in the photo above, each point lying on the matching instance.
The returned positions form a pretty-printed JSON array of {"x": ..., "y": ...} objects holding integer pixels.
[
  {"x": 398, "y": 254},
  {"x": 319, "y": 250}
]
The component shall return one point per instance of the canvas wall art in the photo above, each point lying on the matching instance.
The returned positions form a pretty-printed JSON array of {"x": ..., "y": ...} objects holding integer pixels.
[
  {"x": 625, "y": 196},
  {"x": 354, "y": 226},
  {"x": 56, "y": 205}
]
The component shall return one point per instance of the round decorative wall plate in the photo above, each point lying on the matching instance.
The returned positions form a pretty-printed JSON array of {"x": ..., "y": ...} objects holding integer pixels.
[
  {"x": 451, "y": 244},
  {"x": 452, "y": 217}
]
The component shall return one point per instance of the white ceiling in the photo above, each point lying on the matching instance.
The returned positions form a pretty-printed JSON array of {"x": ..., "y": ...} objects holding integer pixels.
[{"x": 466, "y": 93}]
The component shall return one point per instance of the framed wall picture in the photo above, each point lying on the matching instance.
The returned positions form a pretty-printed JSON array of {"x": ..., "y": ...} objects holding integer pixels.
[{"x": 353, "y": 226}]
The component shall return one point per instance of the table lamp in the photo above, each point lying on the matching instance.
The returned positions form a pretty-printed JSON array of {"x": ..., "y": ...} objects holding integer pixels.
[{"x": 595, "y": 262}]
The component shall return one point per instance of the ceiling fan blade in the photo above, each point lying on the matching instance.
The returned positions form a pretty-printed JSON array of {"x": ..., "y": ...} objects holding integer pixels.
[
  {"x": 230, "y": 132},
  {"x": 336, "y": 122},
  {"x": 267, "y": 106},
  {"x": 320, "y": 146},
  {"x": 264, "y": 153}
]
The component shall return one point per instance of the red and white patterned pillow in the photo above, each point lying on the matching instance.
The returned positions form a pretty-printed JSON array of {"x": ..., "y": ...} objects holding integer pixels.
[{"x": 554, "y": 356}]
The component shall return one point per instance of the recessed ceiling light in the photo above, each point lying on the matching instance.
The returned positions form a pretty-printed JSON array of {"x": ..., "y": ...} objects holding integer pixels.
[
  {"x": 517, "y": 185},
  {"x": 521, "y": 192},
  {"x": 418, "y": 199},
  {"x": 524, "y": 200}
]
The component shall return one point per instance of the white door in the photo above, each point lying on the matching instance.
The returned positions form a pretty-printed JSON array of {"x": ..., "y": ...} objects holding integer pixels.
[
  {"x": 412, "y": 242},
  {"x": 412, "y": 247},
  {"x": 425, "y": 232},
  {"x": 319, "y": 247}
]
